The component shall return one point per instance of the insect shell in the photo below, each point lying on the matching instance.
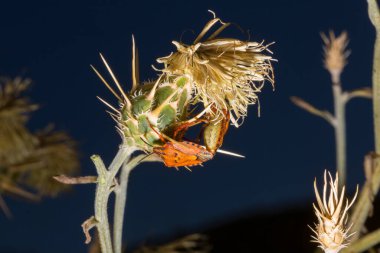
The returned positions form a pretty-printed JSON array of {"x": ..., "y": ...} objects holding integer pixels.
[
  {"x": 215, "y": 130},
  {"x": 182, "y": 153}
]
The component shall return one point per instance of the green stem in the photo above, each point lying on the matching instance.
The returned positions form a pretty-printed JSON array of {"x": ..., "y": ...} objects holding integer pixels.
[
  {"x": 106, "y": 180},
  {"x": 340, "y": 132},
  {"x": 101, "y": 201},
  {"x": 120, "y": 201}
]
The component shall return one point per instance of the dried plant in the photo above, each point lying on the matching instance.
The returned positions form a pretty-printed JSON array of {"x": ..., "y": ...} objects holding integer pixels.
[
  {"x": 363, "y": 208},
  {"x": 331, "y": 231},
  {"x": 16, "y": 142},
  {"x": 335, "y": 59},
  {"x": 226, "y": 72},
  {"x": 28, "y": 161},
  {"x": 220, "y": 76},
  {"x": 55, "y": 154},
  {"x": 335, "y": 54}
]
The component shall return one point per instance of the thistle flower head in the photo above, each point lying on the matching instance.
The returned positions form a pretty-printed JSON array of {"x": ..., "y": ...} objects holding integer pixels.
[
  {"x": 221, "y": 74},
  {"x": 162, "y": 105},
  {"x": 225, "y": 72},
  {"x": 331, "y": 231},
  {"x": 335, "y": 54}
]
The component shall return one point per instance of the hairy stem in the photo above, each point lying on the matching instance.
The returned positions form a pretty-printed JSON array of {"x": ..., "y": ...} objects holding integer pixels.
[
  {"x": 340, "y": 133},
  {"x": 120, "y": 201},
  {"x": 106, "y": 180},
  {"x": 374, "y": 15},
  {"x": 371, "y": 187}
]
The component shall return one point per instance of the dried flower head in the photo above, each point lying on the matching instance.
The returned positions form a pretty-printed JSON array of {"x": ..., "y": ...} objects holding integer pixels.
[
  {"x": 226, "y": 72},
  {"x": 56, "y": 153},
  {"x": 195, "y": 243},
  {"x": 28, "y": 161},
  {"x": 335, "y": 54},
  {"x": 16, "y": 142},
  {"x": 331, "y": 232}
]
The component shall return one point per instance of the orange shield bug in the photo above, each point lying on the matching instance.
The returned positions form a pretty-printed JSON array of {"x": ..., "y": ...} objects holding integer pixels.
[{"x": 176, "y": 153}]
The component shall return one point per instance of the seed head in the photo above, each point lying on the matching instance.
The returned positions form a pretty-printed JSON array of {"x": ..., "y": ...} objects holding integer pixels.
[
  {"x": 335, "y": 54},
  {"x": 28, "y": 160},
  {"x": 226, "y": 72},
  {"x": 331, "y": 232},
  {"x": 16, "y": 142}
]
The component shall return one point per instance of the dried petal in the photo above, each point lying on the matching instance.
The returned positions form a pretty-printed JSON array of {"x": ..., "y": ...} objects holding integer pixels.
[
  {"x": 226, "y": 72},
  {"x": 331, "y": 230}
]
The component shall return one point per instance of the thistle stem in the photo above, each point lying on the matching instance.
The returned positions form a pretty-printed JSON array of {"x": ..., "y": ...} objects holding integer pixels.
[
  {"x": 120, "y": 201},
  {"x": 364, "y": 243},
  {"x": 371, "y": 186},
  {"x": 106, "y": 180},
  {"x": 340, "y": 132},
  {"x": 374, "y": 15}
]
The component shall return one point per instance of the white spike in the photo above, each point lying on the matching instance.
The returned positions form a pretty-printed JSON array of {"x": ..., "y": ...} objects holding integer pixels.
[
  {"x": 229, "y": 153},
  {"x": 115, "y": 80},
  {"x": 135, "y": 65},
  {"x": 154, "y": 88},
  {"x": 107, "y": 104},
  {"x": 105, "y": 82}
]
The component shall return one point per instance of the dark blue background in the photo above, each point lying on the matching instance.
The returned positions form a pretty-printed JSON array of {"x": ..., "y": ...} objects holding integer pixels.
[{"x": 54, "y": 43}]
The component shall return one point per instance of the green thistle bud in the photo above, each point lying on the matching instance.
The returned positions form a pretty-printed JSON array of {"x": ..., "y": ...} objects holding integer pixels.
[{"x": 162, "y": 105}]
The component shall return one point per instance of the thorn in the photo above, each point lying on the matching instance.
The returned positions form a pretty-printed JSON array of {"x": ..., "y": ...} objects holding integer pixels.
[
  {"x": 116, "y": 81},
  {"x": 227, "y": 152},
  {"x": 153, "y": 91},
  {"x": 105, "y": 83},
  {"x": 156, "y": 111},
  {"x": 107, "y": 104},
  {"x": 113, "y": 115},
  {"x": 135, "y": 65}
]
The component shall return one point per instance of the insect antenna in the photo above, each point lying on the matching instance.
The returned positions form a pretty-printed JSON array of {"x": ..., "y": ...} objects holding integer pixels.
[
  {"x": 145, "y": 157},
  {"x": 150, "y": 145}
]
